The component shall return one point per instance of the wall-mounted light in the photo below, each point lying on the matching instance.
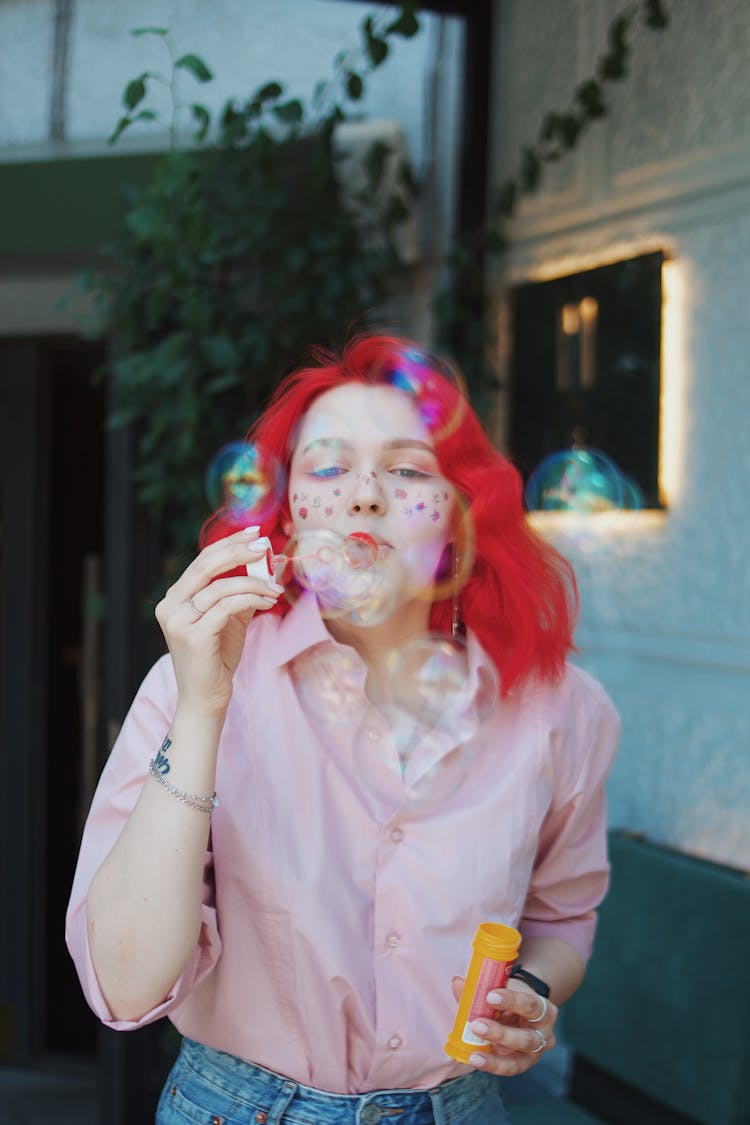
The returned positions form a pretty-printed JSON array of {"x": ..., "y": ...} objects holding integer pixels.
[{"x": 576, "y": 345}]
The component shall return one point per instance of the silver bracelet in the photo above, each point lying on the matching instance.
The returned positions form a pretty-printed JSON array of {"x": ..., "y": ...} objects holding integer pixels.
[{"x": 203, "y": 804}]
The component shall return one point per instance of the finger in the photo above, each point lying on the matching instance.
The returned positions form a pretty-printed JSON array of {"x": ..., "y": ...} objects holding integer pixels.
[
  {"x": 521, "y": 1002},
  {"x": 213, "y": 621},
  {"x": 512, "y": 1039},
  {"x": 457, "y": 984},
  {"x": 226, "y": 554}
]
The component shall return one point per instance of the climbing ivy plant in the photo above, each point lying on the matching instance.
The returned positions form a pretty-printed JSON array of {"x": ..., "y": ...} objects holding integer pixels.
[{"x": 240, "y": 252}]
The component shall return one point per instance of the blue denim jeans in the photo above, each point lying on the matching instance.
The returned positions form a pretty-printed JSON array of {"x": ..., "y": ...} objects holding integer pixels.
[{"x": 208, "y": 1087}]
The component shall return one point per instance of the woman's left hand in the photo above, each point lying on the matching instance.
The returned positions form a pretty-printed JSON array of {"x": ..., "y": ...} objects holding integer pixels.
[{"x": 523, "y": 1030}]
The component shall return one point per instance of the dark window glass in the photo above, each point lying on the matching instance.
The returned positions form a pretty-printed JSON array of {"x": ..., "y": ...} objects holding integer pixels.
[{"x": 585, "y": 368}]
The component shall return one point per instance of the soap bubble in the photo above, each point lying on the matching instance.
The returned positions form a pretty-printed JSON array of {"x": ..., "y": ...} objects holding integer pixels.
[
  {"x": 329, "y": 681},
  {"x": 577, "y": 480},
  {"x": 422, "y": 377},
  {"x": 247, "y": 480},
  {"x": 351, "y": 575},
  {"x": 434, "y": 710}
]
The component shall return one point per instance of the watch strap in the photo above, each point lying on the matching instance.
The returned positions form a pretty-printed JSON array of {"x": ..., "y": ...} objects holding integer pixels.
[{"x": 540, "y": 987}]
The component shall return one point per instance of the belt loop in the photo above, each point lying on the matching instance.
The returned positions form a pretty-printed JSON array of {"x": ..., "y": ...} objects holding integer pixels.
[
  {"x": 282, "y": 1103},
  {"x": 438, "y": 1109}
]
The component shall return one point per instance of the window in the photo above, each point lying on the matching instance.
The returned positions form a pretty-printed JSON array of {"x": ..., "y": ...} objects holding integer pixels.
[{"x": 585, "y": 368}]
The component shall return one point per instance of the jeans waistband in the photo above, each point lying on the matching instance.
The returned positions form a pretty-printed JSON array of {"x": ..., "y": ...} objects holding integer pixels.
[{"x": 275, "y": 1093}]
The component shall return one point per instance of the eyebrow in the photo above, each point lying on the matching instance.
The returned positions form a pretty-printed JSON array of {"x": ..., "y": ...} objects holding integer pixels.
[{"x": 342, "y": 443}]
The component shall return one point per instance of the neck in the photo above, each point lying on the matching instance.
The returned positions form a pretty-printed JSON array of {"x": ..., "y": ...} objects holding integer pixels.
[{"x": 373, "y": 643}]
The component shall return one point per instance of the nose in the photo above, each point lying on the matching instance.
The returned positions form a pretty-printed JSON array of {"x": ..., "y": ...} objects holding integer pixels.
[{"x": 367, "y": 497}]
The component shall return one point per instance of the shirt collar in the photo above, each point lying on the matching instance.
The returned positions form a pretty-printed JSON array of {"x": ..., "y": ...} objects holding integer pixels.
[{"x": 301, "y": 628}]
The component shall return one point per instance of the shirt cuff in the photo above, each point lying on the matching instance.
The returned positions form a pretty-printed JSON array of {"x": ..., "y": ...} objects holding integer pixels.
[{"x": 577, "y": 932}]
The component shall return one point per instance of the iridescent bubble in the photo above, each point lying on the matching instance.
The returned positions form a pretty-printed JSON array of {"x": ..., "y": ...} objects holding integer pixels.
[
  {"x": 245, "y": 479},
  {"x": 436, "y": 391},
  {"x": 329, "y": 683},
  {"x": 434, "y": 708},
  {"x": 576, "y": 480},
  {"x": 351, "y": 575}
]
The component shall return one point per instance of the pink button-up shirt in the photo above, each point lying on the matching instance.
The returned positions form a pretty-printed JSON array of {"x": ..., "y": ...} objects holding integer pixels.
[{"x": 334, "y": 917}]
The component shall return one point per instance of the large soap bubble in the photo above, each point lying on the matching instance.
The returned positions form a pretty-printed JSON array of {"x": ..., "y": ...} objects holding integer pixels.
[
  {"x": 434, "y": 709},
  {"x": 247, "y": 480},
  {"x": 352, "y": 575},
  {"x": 580, "y": 480}
]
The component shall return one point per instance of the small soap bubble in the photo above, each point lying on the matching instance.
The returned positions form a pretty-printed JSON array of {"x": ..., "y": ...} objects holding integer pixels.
[
  {"x": 576, "y": 480},
  {"x": 245, "y": 479},
  {"x": 329, "y": 684},
  {"x": 436, "y": 391}
]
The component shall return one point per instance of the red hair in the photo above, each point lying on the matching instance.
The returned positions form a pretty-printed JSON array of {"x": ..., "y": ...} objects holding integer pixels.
[{"x": 520, "y": 598}]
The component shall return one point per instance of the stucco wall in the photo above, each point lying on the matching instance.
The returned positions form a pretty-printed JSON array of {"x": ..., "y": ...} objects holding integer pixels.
[{"x": 666, "y": 595}]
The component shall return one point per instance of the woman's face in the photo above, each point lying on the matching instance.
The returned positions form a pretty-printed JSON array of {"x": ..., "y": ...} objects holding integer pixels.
[{"x": 364, "y": 461}]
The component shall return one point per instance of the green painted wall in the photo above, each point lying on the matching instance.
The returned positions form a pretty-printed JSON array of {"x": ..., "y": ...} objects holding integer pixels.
[{"x": 64, "y": 208}]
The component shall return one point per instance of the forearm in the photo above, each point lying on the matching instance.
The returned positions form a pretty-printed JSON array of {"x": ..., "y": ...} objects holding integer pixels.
[
  {"x": 556, "y": 962},
  {"x": 144, "y": 903}
]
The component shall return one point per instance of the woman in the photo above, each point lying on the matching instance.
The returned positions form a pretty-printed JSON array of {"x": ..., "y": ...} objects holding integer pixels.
[{"x": 308, "y": 938}]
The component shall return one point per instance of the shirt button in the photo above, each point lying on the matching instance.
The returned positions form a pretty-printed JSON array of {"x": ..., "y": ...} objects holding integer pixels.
[
  {"x": 397, "y": 835},
  {"x": 261, "y": 1116},
  {"x": 395, "y": 1042},
  {"x": 373, "y": 735},
  {"x": 393, "y": 939}
]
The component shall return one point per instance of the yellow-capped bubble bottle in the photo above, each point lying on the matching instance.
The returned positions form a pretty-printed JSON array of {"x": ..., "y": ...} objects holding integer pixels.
[{"x": 495, "y": 948}]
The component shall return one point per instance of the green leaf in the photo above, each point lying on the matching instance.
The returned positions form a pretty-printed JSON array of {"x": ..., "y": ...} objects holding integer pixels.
[
  {"x": 203, "y": 119},
  {"x": 135, "y": 92},
  {"x": 591, "y": 98},
  {"x": 145, "y": 115},
  {"x": 354, "y": 86},
  {"x": 375, "y": 46},
  {"x": 655, "y": 14},
  {"x": 149, "y": 31},
  {"x": 269, "y": 92},
  {"x": 290, "y": 112},
  {"x": 406, "y": 25},
  {"x": 530, "y": 170},
  {"x": 196, "y": 66},
  {"x": 122, "y": 125}
]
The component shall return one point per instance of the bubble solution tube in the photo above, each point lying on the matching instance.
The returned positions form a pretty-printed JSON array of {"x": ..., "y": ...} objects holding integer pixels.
[{"x": 495, "y": 949}]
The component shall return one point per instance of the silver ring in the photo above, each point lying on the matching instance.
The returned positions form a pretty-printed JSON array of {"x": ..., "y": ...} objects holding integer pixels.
[
  {"x": 194, "y": 607},
  {"x": 542, "y": 1042},
  {"x": 545, "y": 1006}
]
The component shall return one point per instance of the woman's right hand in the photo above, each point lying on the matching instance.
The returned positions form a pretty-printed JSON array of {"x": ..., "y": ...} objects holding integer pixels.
[{"x": 204, "y": 619}]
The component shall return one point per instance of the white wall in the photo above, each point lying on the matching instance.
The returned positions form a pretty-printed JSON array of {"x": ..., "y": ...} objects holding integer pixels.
[{"x": 666, "y": 596}]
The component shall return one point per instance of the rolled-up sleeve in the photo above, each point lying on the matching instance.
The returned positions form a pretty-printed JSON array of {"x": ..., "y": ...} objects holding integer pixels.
[
  {"x": 120, "y": 784},
  {"x": 571, "y": 870}
]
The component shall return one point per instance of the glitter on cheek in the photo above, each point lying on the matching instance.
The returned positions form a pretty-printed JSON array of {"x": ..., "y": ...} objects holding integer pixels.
[
  {"x": 435, "y": 516},
  {"x": 337, "y": 492},
  {"x": 328, "y": 510},
  {"x": 400, "y": 494},
  {"x": 421, "y": 506},
  {"x": 302, "y": 513}
]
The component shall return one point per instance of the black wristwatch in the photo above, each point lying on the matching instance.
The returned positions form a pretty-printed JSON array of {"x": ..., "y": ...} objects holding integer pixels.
[{"x": 540, "y": 987}]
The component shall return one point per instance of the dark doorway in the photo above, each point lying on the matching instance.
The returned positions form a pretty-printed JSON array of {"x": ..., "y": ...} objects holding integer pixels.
[
  {"x": 76, "y": 538},
  {"x": 51, "y": 512}
]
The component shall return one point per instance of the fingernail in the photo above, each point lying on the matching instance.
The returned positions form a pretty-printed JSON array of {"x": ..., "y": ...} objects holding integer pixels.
[
  {"x": 495, "y": 998},
  {"x": 477, "y": 1060},
  {"x": 457, "y": 978},
  {"x": 480, "y": 1027},
  {"x": 251, "y": 530},
  {"x": 262, "y": 544},
  {"x": 275, "y": 587}
]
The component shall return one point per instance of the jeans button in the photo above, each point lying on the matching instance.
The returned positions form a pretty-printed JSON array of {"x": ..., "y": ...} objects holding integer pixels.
[{"x": 371, "y": 1115}]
